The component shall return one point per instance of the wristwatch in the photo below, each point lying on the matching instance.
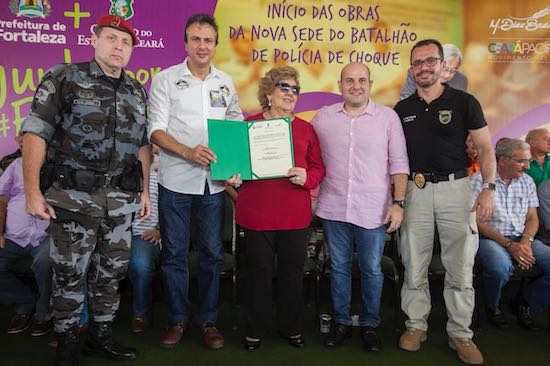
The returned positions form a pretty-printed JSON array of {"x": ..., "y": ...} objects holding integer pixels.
[
  {"x": 489, "y": 186},
  {"x": 531, "y": 238},
  {"x": 400, "y": 203}
]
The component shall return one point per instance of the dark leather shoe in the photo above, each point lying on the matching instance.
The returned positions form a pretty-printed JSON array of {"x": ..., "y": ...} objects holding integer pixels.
[
  {"x": 497, "y": 318},
  {"x": 297, "y": 341},
  {"x": 523, "y": 313},
  {"x": 524, "y": 318},
  {"x": 371, "y": 340},
  {"x": 172, "y": 336},
  {"x": 212, "y": 336},
  {"x": 140, "y": 323},
  {"x": 337, "y": 334},
  {"x": 251, "y": 345},
  {"x": 39, "y": 327},
  {"x": 20, "y": 322},
  {"x": 100, "y": 343}
]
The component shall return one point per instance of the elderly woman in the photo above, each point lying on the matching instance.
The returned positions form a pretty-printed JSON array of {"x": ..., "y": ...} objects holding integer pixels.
[{"x": 275, "y": 215}]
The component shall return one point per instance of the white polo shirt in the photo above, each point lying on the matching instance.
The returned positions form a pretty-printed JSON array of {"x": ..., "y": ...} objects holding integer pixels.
[{"x": 180, "y": 104}]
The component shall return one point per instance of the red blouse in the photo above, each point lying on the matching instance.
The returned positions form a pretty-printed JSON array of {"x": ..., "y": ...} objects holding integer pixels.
[{"x": 278, "y": 204}]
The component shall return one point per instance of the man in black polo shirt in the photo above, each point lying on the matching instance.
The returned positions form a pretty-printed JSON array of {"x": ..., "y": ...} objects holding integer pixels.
[{"x": 436, "y": 121}]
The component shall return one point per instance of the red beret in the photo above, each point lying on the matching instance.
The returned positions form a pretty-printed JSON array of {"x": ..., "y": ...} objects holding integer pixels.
[{"x": 114, "y": 21}]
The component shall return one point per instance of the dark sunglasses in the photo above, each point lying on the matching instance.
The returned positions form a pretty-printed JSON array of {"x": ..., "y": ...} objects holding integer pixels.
[{"x": 285, "y": 87}]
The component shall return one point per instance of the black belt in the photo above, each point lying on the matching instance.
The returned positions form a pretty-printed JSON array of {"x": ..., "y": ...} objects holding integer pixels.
[
  {"x": 435, "y": 178},
  {"x": 85, "y": 180}
]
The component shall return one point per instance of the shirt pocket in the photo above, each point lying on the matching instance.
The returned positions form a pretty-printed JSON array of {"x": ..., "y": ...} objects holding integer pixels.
[
  {"x": 217, "y": 112},
  {"x": 131, "y": 119}
]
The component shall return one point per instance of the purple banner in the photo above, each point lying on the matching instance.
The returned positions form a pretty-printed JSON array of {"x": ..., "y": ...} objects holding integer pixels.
[{"x": 35, "y": 35}]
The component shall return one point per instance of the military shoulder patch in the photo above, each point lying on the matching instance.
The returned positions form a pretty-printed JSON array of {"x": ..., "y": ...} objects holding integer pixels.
[{"x": 44, "y": 91}]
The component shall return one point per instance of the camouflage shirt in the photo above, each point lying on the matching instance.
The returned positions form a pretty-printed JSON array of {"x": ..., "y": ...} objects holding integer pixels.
[{"x": 90, "y": 123}]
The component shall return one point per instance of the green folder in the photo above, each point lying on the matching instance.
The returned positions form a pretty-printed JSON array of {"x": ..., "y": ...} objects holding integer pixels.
[{"x": 230, "y": 141}]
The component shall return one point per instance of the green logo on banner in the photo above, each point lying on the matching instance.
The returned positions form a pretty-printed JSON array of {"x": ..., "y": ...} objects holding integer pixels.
[
  {"x": 31, "y": 8},
  {"x": 122, "y": 8}
]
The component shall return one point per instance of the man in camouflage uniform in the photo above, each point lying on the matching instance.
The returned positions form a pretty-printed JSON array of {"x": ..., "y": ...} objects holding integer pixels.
[{"x": 88, "y": 123}]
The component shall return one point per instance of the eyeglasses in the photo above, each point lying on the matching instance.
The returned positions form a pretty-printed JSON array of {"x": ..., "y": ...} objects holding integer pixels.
[
  {"x": 286, "y": 87},
  {"x": 520, "y": 161},
  {"x": 430, "y": 61}
]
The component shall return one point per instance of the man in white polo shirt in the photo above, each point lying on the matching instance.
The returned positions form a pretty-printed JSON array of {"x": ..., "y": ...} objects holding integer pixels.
[{"x": 182, "y": 98}]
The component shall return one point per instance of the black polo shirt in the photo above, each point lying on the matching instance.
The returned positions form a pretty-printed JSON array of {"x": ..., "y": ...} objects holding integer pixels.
[{"x": 436, "y": 132}]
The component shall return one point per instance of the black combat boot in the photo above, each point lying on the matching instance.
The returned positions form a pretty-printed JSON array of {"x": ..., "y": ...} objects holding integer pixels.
[
  {"x": 100, "y": 343},
  {"x": 68, "y": 349}
]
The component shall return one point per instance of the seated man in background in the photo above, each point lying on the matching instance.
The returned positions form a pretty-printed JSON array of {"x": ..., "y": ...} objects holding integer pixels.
[
  {"x": 543, "y": 192},
  {"x": 145, "y": 249},
  {"x": 8, "y": 159},
  {"x": 22, "y": 235},
  {"x": 507, "y": 238},
  {"x": 539, "y": 142},
  {"x": 449, "y": 74}
]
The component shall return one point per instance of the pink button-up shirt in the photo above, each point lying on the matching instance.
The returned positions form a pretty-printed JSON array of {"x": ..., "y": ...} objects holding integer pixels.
[{"x": 360, "y": 155}]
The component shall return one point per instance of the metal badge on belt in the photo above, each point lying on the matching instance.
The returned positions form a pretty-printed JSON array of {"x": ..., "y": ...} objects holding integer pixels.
[{"x": 419, "y": 180}]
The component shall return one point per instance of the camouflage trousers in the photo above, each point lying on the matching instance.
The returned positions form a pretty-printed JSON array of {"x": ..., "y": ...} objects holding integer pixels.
[{"x": 93, "y": 249}]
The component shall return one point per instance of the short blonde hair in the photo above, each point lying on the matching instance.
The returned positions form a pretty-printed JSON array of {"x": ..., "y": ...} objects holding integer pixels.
[{"x": 270, "y": 80}]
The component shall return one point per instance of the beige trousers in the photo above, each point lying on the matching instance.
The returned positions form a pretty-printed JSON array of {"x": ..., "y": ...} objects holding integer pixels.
[{"x": 447, "y": 205}]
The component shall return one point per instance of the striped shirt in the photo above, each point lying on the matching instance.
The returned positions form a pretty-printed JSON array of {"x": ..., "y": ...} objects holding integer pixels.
[
  {"x": 140, "y": 225},
  {"x": 512, "y": 202}
]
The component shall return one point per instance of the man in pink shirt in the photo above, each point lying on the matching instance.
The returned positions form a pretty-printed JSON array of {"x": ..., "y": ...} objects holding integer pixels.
[{"x": 364, "y": 151}]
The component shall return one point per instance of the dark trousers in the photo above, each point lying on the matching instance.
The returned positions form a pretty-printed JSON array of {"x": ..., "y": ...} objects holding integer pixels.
[
  {"x": 261, "y": 247},
  {"x": 175, "y": 211}
]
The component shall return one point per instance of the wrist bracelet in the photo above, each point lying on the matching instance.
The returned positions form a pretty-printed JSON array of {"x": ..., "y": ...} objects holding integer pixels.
[{"x": 507, "y": 245}]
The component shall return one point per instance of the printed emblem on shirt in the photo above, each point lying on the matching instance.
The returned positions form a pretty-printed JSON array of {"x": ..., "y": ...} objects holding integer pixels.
[
  {"x": 85, "y": 84},
  {"x": 224, "y": 89},
  {"x": 85, "y": 93},
  {"x": 87, "y": 128},
  {"x": 408, "y": 119},
  {"x": 445, "y": 116},
  {"x": 216, "y": 99},
  {"x": 182, "y": 84}
]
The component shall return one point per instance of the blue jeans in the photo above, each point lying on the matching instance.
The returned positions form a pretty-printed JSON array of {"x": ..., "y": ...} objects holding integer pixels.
[
  {"x": 497, "y": 267},
  {"x": 175, "y": 211},
  {"x": 342, "y": 237},
  {"x": 15, "y": 293},
  {"x": 141, "y": 271}
]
